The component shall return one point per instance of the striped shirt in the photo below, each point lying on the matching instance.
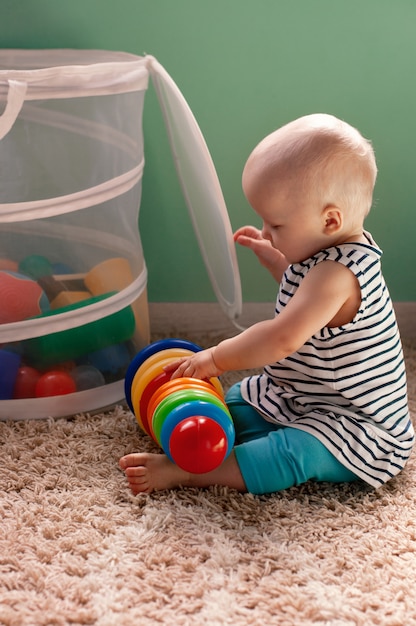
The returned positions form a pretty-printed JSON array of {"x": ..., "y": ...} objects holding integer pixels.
[{"x": 345, "y": 385}]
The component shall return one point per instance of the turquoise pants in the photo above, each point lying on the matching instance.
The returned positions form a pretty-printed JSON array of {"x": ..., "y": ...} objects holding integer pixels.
[{"x": 273, "y": 457}]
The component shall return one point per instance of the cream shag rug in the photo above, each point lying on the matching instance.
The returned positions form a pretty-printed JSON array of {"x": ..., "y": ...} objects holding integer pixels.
[{"x": 77, "y": 548}]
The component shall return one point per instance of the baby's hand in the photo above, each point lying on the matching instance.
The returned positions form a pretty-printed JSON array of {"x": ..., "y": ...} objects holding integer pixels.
[
  {"x": 271, "y": 258},
  {"x": 251, "y": 237},
  {"x": 199, "y": 365}
]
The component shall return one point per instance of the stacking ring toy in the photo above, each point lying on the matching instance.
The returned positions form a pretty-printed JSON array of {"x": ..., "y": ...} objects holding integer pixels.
[
  {"x": 145, "y": 353},
  {"x": 186, "y": 417}
]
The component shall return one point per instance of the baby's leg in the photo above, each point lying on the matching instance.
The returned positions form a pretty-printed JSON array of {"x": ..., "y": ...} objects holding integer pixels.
[
  {"x": 272, "y": 458},
  {"x": 287, "y": 457},
  {"x": 147, "y": 472}
]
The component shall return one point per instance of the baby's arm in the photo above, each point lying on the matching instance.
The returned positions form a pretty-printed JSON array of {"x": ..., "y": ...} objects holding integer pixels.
[
  {"x": 272, "y": 259},
  {"x": 327, "y": 289}
]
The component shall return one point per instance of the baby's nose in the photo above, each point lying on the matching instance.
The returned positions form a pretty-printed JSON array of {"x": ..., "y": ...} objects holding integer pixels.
[{"x": 265, "y": 232}]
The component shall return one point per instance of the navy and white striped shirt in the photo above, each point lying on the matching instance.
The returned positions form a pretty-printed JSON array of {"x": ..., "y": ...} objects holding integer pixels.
[{"x": 345, "y": 385}]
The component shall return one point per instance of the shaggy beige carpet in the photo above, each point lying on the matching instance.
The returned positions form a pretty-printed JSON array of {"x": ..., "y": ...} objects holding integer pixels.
[{"x": 77, "y": 548}]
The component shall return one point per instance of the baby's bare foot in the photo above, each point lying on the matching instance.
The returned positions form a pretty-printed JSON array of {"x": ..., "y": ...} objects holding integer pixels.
[{"x": 147, "y": 472}]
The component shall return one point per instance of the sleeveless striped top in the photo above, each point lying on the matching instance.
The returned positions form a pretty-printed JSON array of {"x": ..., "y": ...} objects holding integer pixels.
[{"x": 346, "y": 385}]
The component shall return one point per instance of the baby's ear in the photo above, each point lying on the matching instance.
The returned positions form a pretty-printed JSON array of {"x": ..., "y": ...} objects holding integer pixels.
[{"x": 333, "y": 220}]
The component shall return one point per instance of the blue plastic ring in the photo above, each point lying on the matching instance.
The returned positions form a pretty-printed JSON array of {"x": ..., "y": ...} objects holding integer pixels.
[{"x": 145, "y": 353}]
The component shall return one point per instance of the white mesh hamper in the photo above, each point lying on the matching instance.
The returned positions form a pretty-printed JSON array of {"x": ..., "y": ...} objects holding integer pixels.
[
  {"x": 73, "y": 302},
  {"x": 71, "y": 162}
]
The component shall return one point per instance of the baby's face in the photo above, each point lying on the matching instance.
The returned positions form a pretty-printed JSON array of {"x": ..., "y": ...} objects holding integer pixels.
[{"x": 291, "y": 222}]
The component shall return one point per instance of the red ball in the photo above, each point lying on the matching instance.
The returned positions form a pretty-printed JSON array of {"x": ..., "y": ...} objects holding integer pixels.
[
  {"x": 198, "y": 444},
  {"x": 25, "y": 384},
  {"x": 55, "y": 383},
  {"x": 20, "y": 298}
]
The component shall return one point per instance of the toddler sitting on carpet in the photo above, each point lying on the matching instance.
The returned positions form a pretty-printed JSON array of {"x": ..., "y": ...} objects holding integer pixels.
[{"x": 331, "y": 403}]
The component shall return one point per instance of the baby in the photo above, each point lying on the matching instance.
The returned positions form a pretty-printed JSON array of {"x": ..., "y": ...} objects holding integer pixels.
[{"x": 331, "y": 403}]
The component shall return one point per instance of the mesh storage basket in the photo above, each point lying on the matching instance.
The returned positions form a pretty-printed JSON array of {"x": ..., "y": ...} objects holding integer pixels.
[{"x": 73, "y": 304}]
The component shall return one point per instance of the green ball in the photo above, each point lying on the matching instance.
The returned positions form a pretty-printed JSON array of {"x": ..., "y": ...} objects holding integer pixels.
[{"x": 35, "y": 266}]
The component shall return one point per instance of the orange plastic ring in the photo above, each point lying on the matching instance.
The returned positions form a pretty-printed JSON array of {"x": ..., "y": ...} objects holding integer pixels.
[{"x": 179, "y": 384}]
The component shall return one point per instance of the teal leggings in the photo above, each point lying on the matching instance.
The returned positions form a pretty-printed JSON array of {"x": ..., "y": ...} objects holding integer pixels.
[{"x": 273, "y": 457}]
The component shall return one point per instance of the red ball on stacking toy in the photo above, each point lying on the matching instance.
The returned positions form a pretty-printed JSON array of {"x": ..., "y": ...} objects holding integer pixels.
[{"x": 198, "y": 444}]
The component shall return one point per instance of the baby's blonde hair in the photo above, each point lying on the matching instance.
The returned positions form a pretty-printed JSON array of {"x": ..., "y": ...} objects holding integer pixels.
[{"x": 324, "y": 158}]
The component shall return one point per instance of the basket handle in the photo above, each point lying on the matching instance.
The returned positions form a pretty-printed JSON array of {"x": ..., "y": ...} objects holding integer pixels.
[{"x": 15, "y": 99}]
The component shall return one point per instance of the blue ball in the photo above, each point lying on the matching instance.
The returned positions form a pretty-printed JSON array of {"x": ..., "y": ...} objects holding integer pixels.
[
  {"x": 87, "y": 377},
  {"x": 110, "y": 359}
]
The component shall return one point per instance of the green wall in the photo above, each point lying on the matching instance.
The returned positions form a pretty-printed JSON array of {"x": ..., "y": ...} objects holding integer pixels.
[{"x": 246, "y": 67}]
